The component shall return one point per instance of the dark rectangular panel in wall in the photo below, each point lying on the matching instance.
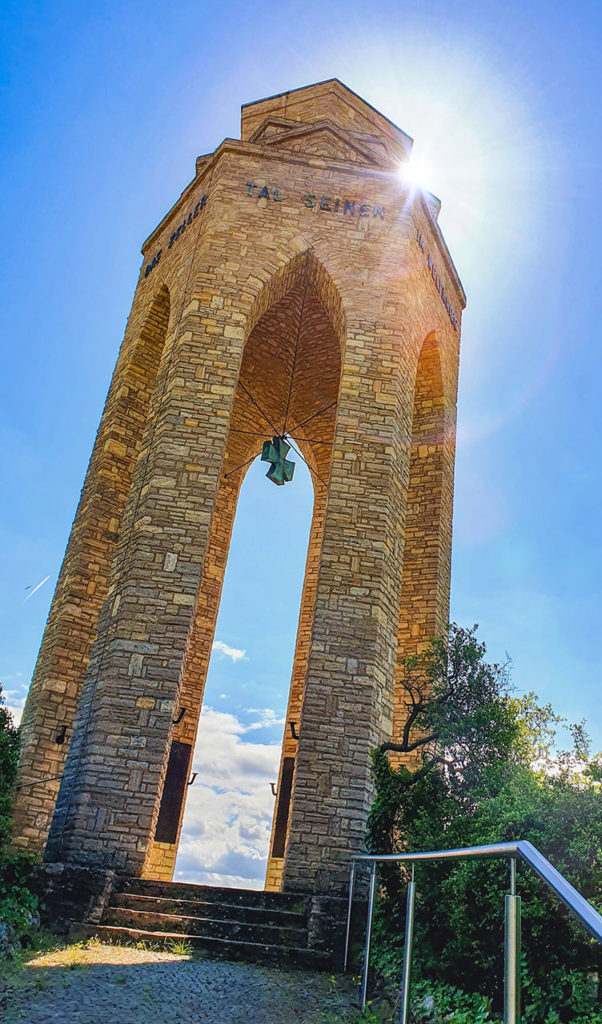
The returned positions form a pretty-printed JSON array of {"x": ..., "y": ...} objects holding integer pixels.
[
  {"x": 176, "y": 778},
  {"x": 284, "y": 806}
]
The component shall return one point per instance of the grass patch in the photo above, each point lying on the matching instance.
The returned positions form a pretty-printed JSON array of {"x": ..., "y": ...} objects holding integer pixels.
[
  {"x": 43, "y": 942},
  {"x": 179, "y": 947}
]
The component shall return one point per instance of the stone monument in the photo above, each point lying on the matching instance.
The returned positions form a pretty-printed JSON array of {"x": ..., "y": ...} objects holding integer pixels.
[{"x": 298, "y": 300}]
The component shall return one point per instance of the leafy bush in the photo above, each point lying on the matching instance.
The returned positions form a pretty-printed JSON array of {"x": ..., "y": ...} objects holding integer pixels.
[
  {"x": 484, "y": 770},
  {"x": 18, "y": 905},
  {"x": 9, "y": 755},
  {"x": 19, "y": 918},
  {"x": 445, "y": 1004}
]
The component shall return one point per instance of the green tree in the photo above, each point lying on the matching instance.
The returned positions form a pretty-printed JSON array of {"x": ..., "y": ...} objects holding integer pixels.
[
  {"x": 9, "y": 754},
  {"x": 485, "y": 769},
  {"x": 18, "y": 905}
]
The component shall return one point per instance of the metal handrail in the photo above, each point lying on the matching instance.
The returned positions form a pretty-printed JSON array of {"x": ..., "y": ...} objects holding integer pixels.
[{"x": 587, "y": 915}]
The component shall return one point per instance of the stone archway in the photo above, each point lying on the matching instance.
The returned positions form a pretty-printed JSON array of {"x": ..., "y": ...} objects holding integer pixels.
[{"x": 288, "y": 385}]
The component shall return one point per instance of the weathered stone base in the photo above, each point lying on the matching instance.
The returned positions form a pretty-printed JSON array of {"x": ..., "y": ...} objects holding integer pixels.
[
  {"x": 71, "y": 893},
  {"x": 234, "y": 923},
  {"x": 326, "y": 923}
]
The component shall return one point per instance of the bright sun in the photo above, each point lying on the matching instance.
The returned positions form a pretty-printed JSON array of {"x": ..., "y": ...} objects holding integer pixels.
[
  {"x": 478, "y": 145},
  {"x": 415, "y": 173}
]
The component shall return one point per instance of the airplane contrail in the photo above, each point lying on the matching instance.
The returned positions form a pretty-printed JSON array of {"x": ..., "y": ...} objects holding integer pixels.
[{"x": 41, "y": 584}]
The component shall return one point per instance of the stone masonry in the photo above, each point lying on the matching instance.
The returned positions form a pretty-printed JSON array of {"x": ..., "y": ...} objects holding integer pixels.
[{"x": 297, "y": 286}]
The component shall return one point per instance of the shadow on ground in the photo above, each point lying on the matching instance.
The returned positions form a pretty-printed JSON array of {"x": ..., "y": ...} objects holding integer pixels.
[{"x": 116, "y": 985}]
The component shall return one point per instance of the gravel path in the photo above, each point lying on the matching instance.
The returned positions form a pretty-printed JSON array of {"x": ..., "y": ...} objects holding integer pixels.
[{"x": 98, "y": 984}]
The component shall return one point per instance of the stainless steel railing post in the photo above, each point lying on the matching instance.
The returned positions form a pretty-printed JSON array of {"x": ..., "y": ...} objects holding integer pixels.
[
  {"x": 407, "y": 952},
  {"x": 512, "y": 994},
  {"x": 364, "y": 985},
  {"x": 348, "y": 932}
]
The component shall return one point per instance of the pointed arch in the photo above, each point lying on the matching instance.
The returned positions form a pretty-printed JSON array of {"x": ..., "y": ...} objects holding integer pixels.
[
  {"x": 289, "y": 373},
  {"x": 305, "y": 267},
  {"x": 140, "y": 378},
  {"x": 143, "y": 366}
]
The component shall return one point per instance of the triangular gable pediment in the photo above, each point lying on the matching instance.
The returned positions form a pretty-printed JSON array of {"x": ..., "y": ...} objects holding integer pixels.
[
  {"x": 318, "y": 139},
  {"x": 273, "y": 126},
  {"x": 336, "y": 103}
]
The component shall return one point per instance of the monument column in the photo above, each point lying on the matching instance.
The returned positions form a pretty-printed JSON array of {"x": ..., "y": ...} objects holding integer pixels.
[
  {"x": 281, "y": 818},
  {"x": 108, "y": 802},
  {"x": 347, "y": 706},
  {"x": 81, "y": 589},
  {"x": 161, "y": 859}
]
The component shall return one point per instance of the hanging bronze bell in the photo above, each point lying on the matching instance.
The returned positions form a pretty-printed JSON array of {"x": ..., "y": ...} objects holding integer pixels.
[{"x": 281, "y": 469}]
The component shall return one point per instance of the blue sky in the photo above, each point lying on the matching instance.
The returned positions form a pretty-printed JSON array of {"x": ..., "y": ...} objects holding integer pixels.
[{"x": 104, "y": 109}]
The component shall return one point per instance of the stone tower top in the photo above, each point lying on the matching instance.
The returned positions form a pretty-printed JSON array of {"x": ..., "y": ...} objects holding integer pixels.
[{"x": 326, "y": 107}]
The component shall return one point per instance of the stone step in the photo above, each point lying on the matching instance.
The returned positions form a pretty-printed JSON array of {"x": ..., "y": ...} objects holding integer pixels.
[
  {"x": 238, "y": 930},
  {"x": 206, "y": 909},
  {"x": 297, "y": 903},
  {"x": 256, "y": 952}
]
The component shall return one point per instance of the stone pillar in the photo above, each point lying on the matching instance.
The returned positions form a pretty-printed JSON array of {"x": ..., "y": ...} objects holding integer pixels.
[
  {"x": 109, "y": 798},
  {"x": 281, "y": 820},
  {"x": 347, "y": 707},
  {"x": 162, "y": 858},
  {"x": 49, "y": 714}
]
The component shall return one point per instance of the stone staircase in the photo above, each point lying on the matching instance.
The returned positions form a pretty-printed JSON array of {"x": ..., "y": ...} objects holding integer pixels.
[{"x": 239, "y": 924}]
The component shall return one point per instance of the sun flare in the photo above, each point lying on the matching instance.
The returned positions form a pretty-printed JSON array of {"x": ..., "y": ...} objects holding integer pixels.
[{"x": 416, "y": 173}]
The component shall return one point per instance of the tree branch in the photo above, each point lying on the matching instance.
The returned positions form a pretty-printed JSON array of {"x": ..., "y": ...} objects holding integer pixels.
[
  {"x": 413, "y": 715},
  {"x": 406, "y": 748}
]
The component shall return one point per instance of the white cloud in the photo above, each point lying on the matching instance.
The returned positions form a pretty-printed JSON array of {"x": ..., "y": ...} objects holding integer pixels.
[
  {"x": 228, "y": 818},
  {"x": 268, "y": 718},
  {"x": 226, "y": 651},
  {"x": 16, "y": 708},
  {"x": 14, "y": 698}
]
